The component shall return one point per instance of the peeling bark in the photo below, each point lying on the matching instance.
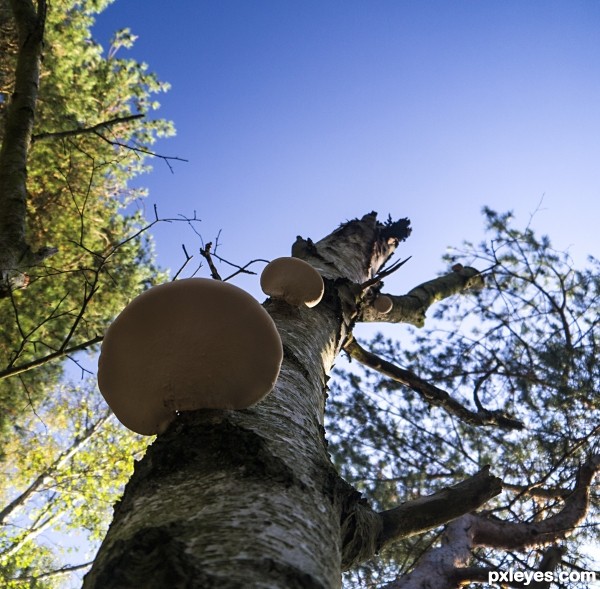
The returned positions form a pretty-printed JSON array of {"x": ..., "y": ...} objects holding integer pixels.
[{"x": 437, "y": 567}]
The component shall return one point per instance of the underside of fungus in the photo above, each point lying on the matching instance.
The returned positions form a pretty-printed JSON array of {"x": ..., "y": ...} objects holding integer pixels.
[
  {"x": 187, "y": 345},
  {"x": 292, "y": 280}
]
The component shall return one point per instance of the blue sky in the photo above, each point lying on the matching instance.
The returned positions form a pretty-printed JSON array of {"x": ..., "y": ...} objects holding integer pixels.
[{"x": 295, "y": 116}]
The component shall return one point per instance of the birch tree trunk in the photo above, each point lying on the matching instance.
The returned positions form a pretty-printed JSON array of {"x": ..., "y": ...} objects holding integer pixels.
[{"x": 250, "y": 498}]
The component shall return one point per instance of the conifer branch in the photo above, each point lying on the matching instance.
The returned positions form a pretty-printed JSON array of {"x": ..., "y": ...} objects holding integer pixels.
[{"x": 430, "y": 393}]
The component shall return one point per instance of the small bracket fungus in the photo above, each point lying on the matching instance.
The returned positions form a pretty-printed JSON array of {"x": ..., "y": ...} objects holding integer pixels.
[
  {"x": 383, "y": 304},
  {"x": 191, "y": 344},
  {"x": 292, "y": 280}
]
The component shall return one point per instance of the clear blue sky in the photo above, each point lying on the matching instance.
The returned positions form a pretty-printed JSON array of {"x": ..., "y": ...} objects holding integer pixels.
[{"x": 296, "y": 115}]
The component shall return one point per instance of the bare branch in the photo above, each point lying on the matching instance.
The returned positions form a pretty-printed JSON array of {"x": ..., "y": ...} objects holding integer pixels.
[
  {"x": 165, "y": 158},
  {"x": 518, "y": 536},
  {"x": 66, "y": 570},
  {"x": 430, "y": 393},
  {"x": 383, "y": 273},
  {"x": 426, "y": 513},
  {"x": 185, "y": 263},
  {"x": 536, "y": 491},
  {"x": 20, "y": 369},
  {"x": 83, "y": 130},
  {"x": 411, "y": 307},
  {"x": 205, "y": 252}
]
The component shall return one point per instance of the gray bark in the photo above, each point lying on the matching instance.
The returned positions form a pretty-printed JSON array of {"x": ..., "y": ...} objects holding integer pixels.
[
  {"x": 16, "y": 256},
  {"x": 249, "y": 498},
  {"x": 445, "y": 567}
]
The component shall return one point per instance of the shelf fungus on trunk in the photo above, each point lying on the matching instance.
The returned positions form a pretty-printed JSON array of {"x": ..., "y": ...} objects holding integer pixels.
[
  {"x": 292, "y": 280},
  {"x": 186, "y": 345}
]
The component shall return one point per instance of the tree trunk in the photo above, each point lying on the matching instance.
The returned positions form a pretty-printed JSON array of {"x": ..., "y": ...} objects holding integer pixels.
[
  {"x": 16, "y": 256},
  {"x": 249, "y": 498}
]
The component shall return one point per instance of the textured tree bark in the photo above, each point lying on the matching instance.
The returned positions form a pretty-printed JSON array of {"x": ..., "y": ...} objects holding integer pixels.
[
  {"x": 249, "y": 498},
  {"x": 411, "y": 307},
  {"x": 445, "y": 567},
  {"x": 15, "y": 254}
]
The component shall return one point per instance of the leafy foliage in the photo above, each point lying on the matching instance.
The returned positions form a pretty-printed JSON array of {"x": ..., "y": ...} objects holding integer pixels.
[
  {"x": 64, "y": 459},
  {"x": 67, "y": 469},
  {"x": 77, "y": 194},
  {"x": 526, "y": 344}
]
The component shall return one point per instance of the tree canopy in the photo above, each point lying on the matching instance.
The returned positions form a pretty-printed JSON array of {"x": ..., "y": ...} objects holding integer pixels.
[
  {"x": 526, "y": 344},
  {"x": 495, "y": 390},
  {"x": 92, "y": 134}
]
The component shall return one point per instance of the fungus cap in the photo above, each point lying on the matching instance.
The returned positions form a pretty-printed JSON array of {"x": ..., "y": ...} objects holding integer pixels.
[
  {"x": 383, "y": 304},
  {"x": 292, "y": 280},
  {"x": 191, "y": 344}
]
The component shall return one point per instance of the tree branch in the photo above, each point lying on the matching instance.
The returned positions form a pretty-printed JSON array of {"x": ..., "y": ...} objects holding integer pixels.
[
  {"x": 550, "y": 561},
  {"x": 141, "y": 150},
  {"x": 519, "y": 536},
  {"x": 83, "y": 130},
  {"x": 411, "y": 307},
  {"x": 66, "y": 570},
  {"x": 429, "y": 393},
  {"x": 52, "y": 469},
  {"x": 426, "y": 513},
  {"x": 20, "y": 369},
  {"x": 205, "y": 253}
]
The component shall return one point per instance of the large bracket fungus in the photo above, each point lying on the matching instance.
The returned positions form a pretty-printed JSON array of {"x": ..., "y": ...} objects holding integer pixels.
[
  {"x": 292, "y": 280},
  {"x": 191, "y": 344}
]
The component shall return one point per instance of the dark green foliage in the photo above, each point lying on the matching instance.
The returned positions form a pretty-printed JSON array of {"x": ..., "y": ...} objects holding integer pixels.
[{"x": 526, "y": 344}]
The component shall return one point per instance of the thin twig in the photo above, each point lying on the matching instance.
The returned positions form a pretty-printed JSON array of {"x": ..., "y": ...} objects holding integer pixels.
[
  {"x": 41, "y": 361},
  {"x": 381, "y": 275},
  {"x": 83, "y": 130},
  {"x": 142, "y": 150},
  {"x": 205, "y": 252}
]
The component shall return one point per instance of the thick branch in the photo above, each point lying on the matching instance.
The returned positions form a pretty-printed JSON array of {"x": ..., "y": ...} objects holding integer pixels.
[
  {"x": 429, "y": 393},
  {"x": 411, "y": 307},
  {"x": 550, "y": 561},
  {"x": 15, "y": 254},
  {"x": 425, "y": 513},
  {"x": 519, "y": 536}
]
